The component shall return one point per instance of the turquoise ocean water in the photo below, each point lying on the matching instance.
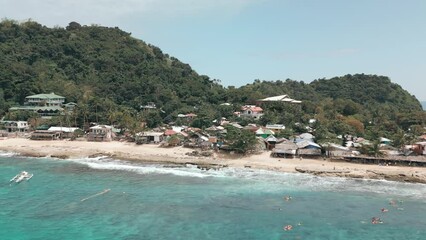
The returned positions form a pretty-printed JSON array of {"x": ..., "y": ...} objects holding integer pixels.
[{"x": 165, "y": 202}]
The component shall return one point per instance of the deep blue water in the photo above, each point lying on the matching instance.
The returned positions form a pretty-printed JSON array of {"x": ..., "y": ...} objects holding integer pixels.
[{"x": 156, "y": 202}]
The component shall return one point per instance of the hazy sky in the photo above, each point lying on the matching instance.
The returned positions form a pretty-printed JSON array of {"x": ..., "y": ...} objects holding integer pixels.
[{"x": 238, "y": 41}]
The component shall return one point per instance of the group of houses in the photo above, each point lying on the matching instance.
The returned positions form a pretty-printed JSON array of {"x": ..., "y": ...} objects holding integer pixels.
[{"x": 302, "y": 145}]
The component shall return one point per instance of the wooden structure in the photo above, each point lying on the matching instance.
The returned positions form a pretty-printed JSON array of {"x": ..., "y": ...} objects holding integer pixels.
[
  {"x": 284, "y": 149},
  {"x": 45, "y": 135}
]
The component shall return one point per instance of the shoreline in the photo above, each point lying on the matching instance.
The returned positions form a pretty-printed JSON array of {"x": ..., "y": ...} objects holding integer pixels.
[{"x": 178, "y": 155}]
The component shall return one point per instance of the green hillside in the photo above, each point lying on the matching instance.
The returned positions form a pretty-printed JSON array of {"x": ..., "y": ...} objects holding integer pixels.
[
  {"x": 96, "y": 64},
  {"x": 110, "y": 74}
]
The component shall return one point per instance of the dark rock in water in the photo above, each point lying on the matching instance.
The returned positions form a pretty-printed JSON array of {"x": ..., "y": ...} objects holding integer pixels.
[
  {"x": 208, "y": 166},
  {"x": 60, "y": 156},
  {"x": 98, "y": 155},
  {"x": 28, "y": 154}
]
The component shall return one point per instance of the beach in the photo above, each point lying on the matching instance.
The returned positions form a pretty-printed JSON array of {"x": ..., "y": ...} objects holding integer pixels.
[{"x": 63, "y": 149}]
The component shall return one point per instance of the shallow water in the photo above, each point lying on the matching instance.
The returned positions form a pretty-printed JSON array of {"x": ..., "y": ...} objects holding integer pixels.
[{"x": 156, "y": 202}]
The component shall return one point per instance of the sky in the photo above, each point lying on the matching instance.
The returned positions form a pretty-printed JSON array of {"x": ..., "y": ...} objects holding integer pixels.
[{"x": 238, "y": 41}]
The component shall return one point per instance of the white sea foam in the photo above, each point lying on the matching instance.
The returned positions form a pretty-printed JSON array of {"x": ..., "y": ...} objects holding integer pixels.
[
  {"x": 269, "y": 181},
  {"x": 7, "y": 154},
  {"x": 105, "y": 163}
]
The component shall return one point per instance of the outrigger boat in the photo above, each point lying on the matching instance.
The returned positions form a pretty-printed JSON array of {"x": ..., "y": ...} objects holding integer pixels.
[{"x": 21, "y": 177}]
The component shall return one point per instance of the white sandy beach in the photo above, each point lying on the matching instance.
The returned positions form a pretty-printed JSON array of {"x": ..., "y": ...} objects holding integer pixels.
[{"x": 155, "y": 153}]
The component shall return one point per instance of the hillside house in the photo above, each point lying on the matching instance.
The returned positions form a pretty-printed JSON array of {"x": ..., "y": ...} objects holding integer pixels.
[
  {"x": 251, "y": 111},
  {"x": 280, "y": 98},
  {"x": 275, "y": 127},
  {"x": 46, "y": 105}
]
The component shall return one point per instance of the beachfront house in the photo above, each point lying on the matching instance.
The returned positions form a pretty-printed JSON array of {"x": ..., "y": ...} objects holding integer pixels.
[
  {"x": 45, "y": 135},
  {"x": 419, "y": 148},
  {"x": 65, "y": 132},
  {"x": 16, "y": 126},
  {"x": 149, "y": 137},
  {"x": 335, "y": 150},
  {"x": 100, "y": 133},
  {"x": 308, "y": 148},
  {"x": 284, "y": 149}
]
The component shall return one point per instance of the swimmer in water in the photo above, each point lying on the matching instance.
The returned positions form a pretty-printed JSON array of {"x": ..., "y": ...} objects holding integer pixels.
[
  {"x": 287, "y": 198},
  {"x": 384, "y": 210},
  {"x": 288, "y": 228},
  {"x": 376, "y": 220}
]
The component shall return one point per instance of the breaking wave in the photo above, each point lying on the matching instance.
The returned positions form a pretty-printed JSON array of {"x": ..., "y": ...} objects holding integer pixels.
[{"x": 268, "y": 181}]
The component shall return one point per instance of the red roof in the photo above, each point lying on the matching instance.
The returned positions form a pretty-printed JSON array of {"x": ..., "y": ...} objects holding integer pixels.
[
  {"x": 169, "y": 132},
  {"x": 252, "y": 108}
]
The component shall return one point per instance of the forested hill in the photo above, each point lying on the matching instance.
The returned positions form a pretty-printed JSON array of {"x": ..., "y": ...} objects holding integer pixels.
[
  {"x": 110, "y": 74},
  {"x": 366, "y": 90},
  {"x": 93, "y": 62}
]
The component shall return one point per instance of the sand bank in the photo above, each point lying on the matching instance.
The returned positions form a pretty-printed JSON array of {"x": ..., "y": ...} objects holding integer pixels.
[{"x": 178, "y": 155}]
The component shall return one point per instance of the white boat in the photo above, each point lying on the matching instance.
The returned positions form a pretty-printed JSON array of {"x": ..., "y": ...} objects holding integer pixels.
[{"x": 21, "y": 177}]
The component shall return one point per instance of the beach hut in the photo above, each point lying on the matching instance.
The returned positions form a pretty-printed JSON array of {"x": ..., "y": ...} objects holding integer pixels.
[
  {"x": 308, "y": 148},
  {"x": 284, "y": 149},
  {"x": 335, "y": 150},
  {"x": 270, "y": 142}
]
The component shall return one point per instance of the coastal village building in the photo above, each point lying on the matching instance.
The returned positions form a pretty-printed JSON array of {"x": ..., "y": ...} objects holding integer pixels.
[
  {"x": 280, "y": 98},
  {"x": 285, "y": 149},
  {"x": 100, "y": 133},
  {"x": 45, "y": 135},
  {"x": 251, "y": 111},
  {"x": 15, "y": 126},
  {"x": 54, "y": 133},
  {"x": 149, "y": 137},
  {"x": 264, "y": 133},
  {"x": 149, "y": 106},
  {"x": 65, "y": 132},
  {"x": 275, "y": 127},
  {"x": 46, "y": 105}
]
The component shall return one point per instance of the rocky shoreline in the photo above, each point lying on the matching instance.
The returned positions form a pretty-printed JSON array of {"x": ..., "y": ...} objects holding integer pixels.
[{"x": 181, "y": 156}]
